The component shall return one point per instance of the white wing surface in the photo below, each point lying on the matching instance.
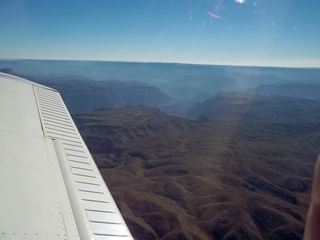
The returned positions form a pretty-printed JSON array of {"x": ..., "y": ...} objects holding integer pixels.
[{"x": 50, "y": 187}]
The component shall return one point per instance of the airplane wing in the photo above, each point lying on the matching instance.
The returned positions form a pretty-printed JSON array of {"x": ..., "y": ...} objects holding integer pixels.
[{"x": 50, "y": 187}]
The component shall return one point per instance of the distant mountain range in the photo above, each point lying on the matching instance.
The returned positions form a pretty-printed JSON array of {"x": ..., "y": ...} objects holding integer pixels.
[
  {"x": 181, "y": 81},
  {"x": 244, "y": 104},
  {"x": 243, "y": 171},
  {"x": 82, "y": 95},
  {"x": 308, "y": 90}
]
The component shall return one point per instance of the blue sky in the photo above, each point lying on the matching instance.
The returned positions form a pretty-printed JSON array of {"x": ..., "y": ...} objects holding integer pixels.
[{"x": 250, "y": 32}]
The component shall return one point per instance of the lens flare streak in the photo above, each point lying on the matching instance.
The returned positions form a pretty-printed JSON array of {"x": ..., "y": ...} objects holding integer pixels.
[{"x": 213, "y": 15}]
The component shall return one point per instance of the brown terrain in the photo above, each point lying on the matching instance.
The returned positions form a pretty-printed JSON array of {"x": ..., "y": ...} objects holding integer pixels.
[{"x": 242, "y": 171}]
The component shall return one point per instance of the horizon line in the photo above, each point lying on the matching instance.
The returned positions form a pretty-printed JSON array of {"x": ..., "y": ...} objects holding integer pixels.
[{"x": 161, "y": 62}]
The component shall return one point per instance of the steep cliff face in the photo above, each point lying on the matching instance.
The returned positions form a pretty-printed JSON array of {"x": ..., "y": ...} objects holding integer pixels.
[
  {"x": 87, "y": 95},
  {"x": 113, "y": 95},
  {"x": 307, "y": 90},
  {"x": 233, "y": 176},
  {"x": 222, "y": 104},
  {"x": 7, "y": 70},
  {"x": 259, "y": 106}
]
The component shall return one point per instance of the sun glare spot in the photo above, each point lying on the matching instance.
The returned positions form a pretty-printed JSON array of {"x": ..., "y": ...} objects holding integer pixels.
[{"x": 239, "y": 1}]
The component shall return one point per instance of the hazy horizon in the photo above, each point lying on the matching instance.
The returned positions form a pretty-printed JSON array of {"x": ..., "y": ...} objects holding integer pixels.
[{"x": 145, "y": 62}]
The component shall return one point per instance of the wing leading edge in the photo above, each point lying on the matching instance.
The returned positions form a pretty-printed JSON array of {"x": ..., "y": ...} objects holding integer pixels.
[{"x": 50, "y": 186}]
